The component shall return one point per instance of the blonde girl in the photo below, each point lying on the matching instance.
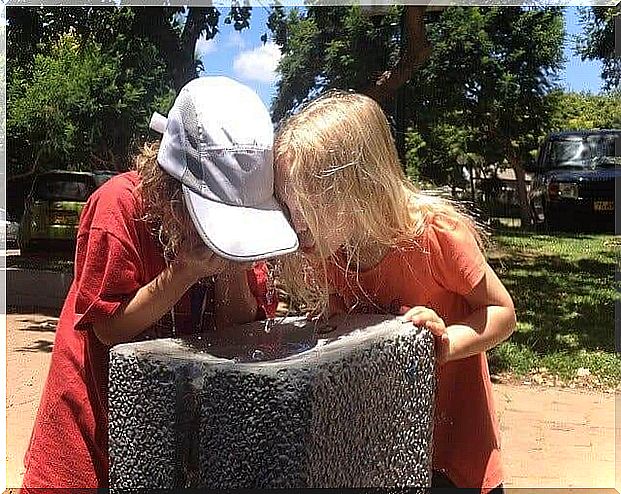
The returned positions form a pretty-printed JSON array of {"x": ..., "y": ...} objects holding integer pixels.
[{"x": 372, "y": 242}]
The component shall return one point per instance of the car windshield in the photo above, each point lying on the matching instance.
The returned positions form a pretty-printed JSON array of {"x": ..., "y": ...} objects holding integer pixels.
[
  {"x": 589, "y": 152},
  {"x": 76, "y": 188},
  {"x": 102, "y": 178}
]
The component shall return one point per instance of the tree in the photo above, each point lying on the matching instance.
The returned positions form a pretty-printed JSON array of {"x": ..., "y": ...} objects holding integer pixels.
[
  {"x": 343, "y": 47},
  {"x": 146, "y": 52},
  {"x": 172, "y": 30},
  {"x": 578, "y": 111},
  {"x": 78, "y": 108},
  {"x": 488, "y": 76},
  {"x": 598, "y": 41}
]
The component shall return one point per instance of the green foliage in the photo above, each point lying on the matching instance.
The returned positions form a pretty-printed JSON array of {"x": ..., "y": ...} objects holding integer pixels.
[
  {"x": 575, "y": 111},
  {"x": 490, "y": 72},
  {"x": 597, "y": 42},
  {"x": 80, "y": 107},
  {"x": 128, "y": 61},
  {"x": 329, "y": 47},
  {"x": 482, "y": 99},
  {"x": 414, "y": 145},
  {"x": 172, "y": 30}
]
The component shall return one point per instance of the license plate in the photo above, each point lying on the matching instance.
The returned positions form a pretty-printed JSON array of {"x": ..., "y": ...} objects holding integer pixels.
[{"x": 604, "y": 205}]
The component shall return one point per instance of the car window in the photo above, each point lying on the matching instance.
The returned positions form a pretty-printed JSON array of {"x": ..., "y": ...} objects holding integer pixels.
[
  {"x": 581, "y": 152},
  {"x": 568, "y": 152},
  {"x": 602, "y": 145},
  {"x": 102, "y": 178},
  {"x": 63, "y": 188}
]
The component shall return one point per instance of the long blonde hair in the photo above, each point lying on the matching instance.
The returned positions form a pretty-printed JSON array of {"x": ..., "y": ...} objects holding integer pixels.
[
  {"x": 339, "y": 150},
  {"x": 163, "y": 204}
]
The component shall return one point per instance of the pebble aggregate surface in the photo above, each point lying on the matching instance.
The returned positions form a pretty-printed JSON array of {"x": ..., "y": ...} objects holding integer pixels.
[{"x": 288, "y": 409}]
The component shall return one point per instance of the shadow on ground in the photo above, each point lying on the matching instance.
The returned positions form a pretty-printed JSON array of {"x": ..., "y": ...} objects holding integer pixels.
[
  {"x": 567, "y": 304},
  {"x": 46, "y": 326},
  {"x": 38, "y": 346},
  {"x": 563, "y": 288}
]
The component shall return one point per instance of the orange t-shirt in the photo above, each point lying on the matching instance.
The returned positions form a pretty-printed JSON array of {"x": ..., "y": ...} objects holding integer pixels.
[{"x": 436, "y": 270}]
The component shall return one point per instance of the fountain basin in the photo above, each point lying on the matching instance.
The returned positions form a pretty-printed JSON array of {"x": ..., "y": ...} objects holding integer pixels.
[{"x": 350, "y": 408}]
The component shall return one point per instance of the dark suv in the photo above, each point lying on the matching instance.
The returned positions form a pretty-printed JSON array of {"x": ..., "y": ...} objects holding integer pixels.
[{"x": 574, "y": 180}]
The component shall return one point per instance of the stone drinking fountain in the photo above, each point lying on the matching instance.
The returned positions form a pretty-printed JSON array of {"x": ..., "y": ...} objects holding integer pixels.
[{"x": 280, "y": 408}]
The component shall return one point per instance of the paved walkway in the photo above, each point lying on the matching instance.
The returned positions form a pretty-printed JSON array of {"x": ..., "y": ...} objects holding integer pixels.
[{"x": 551, "y": 437}]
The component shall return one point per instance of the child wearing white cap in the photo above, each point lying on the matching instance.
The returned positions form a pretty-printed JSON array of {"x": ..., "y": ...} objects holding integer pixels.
[{"x": 163, "y": 250}]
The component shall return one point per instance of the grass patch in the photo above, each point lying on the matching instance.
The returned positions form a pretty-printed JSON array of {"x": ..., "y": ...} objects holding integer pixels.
[{"x": 563, "y": 287}]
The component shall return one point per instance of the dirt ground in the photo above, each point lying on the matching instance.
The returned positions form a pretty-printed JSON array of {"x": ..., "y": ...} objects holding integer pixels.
[{"x": 551, "y": 437}]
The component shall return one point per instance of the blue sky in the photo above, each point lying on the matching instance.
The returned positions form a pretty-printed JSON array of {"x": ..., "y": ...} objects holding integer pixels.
[
  {"x": 243, "y": 56},
  {"x": 578, "y": 75}
]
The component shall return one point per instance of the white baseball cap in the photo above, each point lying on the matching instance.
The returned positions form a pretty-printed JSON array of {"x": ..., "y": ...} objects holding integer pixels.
[{"x": 217, "y": 141}]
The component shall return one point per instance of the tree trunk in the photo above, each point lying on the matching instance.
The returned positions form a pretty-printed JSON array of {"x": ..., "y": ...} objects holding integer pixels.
[
  {"x": 177, "y": 51},
  {"x": 194, "y": 25},
  {"x": 520, "y": 176},
  {"x": 415, "y": 51}
]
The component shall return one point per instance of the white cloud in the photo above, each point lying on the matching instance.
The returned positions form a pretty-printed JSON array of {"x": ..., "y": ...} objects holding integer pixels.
[
  {"x": 204, "y": 47},
  {"x": 258, "y": 64},
  {"x": 235, "y": 41}
]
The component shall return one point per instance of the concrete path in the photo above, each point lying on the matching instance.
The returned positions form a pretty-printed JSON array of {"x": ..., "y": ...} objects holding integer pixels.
[{"x": 551, "y": 437}]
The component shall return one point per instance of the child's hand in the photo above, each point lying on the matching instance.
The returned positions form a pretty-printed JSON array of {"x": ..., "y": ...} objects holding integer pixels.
[
  {"x": 202, "y": 262},
  {"x": 426, "y": 317}
]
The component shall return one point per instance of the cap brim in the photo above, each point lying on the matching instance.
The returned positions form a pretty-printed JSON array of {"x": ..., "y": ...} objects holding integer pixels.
[{"x": 241, "y": 233}]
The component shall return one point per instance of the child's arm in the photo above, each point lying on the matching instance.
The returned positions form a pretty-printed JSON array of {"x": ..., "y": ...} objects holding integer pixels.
[
  {"x": 157, "y": 297},
  {"x": 492, "y": 321}
]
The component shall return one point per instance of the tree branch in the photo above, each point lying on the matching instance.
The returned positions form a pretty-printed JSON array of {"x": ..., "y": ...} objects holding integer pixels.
[
  {"x": 30, "y": 172},
  {"x": 415, "y": 51},
  {"x": 19, "y": 176},
  {"x": 194, "y": 26},
  {"x": 155, "y": 25}
]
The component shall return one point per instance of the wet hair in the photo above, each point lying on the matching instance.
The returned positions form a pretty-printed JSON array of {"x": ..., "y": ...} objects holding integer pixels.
[
  {"x": 163, "y": 206},
  {"x": 335, "y": 155}
]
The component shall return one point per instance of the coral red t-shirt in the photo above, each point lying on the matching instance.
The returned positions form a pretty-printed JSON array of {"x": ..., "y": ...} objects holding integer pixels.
[
  {"x": 116, "y": 255},
  {"x": 436, "y": 271}
]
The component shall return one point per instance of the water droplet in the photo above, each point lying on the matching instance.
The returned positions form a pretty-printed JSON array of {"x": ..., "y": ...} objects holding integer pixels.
[
  {"x": 268, "y": 325},
  {"x": 258, "y": 355}
]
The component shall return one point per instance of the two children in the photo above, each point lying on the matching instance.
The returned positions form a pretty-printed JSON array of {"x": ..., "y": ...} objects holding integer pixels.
[
  {"x": 156, "y": 256},
  {"x": 372, "y": 242}
]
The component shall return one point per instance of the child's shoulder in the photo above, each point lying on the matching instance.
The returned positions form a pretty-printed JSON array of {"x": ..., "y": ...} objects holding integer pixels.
[
  {"x": 445, "y": 221},
  {"x": 441, "y": 231},
  {"x": 453, "y": 236},
  {"x": 120, "y": 190},
  {"x": 115, "y": 200},
  {"x": 121, "y": 184},
  {"x": 439, "y": 224}
]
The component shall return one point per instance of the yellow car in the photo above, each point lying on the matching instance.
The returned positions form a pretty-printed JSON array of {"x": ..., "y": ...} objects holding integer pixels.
[{"x": 53, "y": 207}]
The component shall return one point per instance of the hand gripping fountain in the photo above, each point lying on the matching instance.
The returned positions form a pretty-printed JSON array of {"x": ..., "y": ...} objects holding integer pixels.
[{"x": 280, "y": 408}]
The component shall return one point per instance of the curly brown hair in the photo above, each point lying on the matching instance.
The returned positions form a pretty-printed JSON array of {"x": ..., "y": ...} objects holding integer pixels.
[{"x": 163, "y": 204}]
